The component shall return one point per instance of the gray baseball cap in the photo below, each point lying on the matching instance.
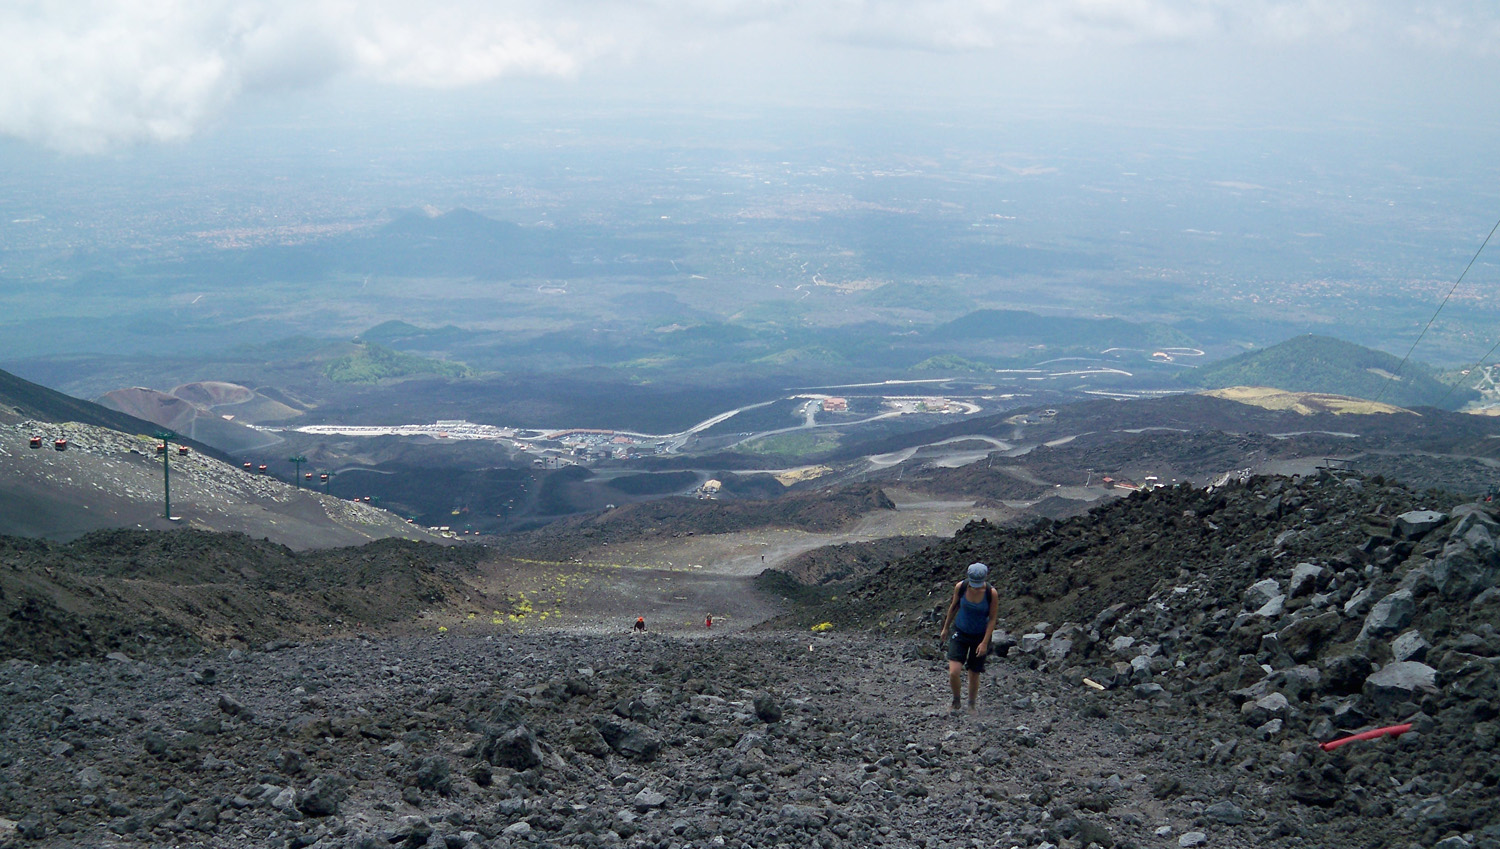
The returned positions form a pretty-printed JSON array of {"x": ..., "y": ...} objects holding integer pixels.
[{"x": 979, "y": 575}]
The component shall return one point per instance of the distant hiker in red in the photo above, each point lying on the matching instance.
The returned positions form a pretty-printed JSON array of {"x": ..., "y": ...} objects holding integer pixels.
[
  {"x": 708, "y": 621},
  {"x": 640, "y": 624},
  {"x": 968, "y": 627}
]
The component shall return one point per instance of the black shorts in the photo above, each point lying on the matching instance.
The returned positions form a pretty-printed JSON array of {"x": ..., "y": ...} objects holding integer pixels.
[{"x": 961, "y": 649}]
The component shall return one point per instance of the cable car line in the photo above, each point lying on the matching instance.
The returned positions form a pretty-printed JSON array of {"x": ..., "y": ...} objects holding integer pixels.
[{"x": 1439, "y": 309}]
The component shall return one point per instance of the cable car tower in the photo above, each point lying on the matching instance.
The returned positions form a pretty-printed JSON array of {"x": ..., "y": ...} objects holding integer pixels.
[
  {"x": 297, "y": 460},
  {"x": 164, "y": 449}
]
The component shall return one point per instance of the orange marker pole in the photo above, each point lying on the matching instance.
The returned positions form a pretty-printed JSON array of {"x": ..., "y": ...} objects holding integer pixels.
[{"x": 1388, "y": 731}]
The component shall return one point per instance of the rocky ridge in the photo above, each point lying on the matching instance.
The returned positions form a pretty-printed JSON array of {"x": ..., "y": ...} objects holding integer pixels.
[
  {"x": 107, "y": 479},
  {"x": 153, "y": 593},
  {"x": 1263, "y": 616}
]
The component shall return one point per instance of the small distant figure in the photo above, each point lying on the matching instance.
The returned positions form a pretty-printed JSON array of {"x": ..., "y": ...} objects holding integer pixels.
[
  {"x": 640, "y": 624},
  {"x": 708, "y": 621}
]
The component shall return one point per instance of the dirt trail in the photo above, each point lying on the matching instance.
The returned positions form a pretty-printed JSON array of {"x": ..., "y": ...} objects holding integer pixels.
[
  {"x": 605, "y": 600},
  {"x": 748, "y": 553},
  {"x": 676, "y": 583}
]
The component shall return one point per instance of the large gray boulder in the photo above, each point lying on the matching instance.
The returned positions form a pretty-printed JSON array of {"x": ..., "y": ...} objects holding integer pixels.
[
  {"x": 1485, "y": 599},
  {"x": 1263, "y": 709},
  {"x": 1306, "y": 578},
  {"x": 514, "y": 749},
  {"x": 1093, "y": 833},
  {"x": 1410, "y": 646},
  {"x": 1469, "y": 562},
  {"x": 1345, "y": 674},
  {"x": 1306, "y": 635},
  {"x": 1140, "y": 669},
  {"x": 1260, "y": 592},
  {"x": 1389, "y": 615},
  {"x": 767, "y": 709},
  {"x": 1225, "y": 812},
  {"x": 648, "y": 798},
  {"x": 1297, "y": 683},
  {"x": 1418, "y": 523},
  {"x": 1400, "y": 682},
  {"x": 1057, "y": 648},
  {"x": 1273, "y": 608},
  {"x": 322, "y": 797},
  {"x": 1418, "y": 580},
  {"x": 1476, "y": 528},
  {"x": 1360, "y": 603},
  {"x": 629, "y": 739},
  {"x": 1462, "y": 572},
  {"x": 587, "y": 739}
]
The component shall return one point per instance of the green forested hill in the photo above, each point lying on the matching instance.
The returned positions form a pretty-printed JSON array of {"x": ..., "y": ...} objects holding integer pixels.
[
  {"x": 1323, "y": 364},
  {"x": 371, "y": 363}
]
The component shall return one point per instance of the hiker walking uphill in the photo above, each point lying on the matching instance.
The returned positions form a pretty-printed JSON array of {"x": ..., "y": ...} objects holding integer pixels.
[{"x": 968, "y": 627}]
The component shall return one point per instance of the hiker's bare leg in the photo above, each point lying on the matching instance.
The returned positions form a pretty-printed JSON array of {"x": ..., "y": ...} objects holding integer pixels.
[
  {"x": 955, "y": 672},
  {"x": 973, "y": 690}
]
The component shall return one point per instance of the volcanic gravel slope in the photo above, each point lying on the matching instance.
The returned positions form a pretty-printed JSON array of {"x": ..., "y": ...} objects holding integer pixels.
[
  {"x": 771, "y": 740},
  {"x": 155, "y": 592},
  {"x": 1175, "y": 658}
]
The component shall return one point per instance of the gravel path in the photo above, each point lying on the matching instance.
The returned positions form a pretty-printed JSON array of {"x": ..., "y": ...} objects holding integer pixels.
[{"x": 565, "y": 740}]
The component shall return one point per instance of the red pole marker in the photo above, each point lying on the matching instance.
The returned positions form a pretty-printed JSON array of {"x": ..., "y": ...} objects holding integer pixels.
[{"x": 1388, "y": 731}]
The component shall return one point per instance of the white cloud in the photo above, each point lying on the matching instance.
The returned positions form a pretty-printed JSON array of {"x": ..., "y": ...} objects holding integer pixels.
[
  {"x": 984, "y": 24},
  {"x": 450, "y": 46},
  {"x": 86, "y": 75}
]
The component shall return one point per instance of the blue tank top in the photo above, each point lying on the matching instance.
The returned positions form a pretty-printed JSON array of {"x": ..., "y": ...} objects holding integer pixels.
[{"x": 973, "y": 616}]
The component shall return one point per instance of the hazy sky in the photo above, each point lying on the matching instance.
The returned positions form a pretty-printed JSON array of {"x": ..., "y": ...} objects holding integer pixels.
[{"x": 89, "y": 76}]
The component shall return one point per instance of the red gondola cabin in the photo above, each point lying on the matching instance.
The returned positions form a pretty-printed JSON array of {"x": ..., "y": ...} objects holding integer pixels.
[
  {"x": 60, "y": 445},
  {"x": 36, "y": 442}
]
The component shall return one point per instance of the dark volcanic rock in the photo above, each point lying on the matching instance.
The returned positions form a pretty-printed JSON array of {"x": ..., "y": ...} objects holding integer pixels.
[
  {"x": 1390, "y": 615},
  {"x": 766, "y": 708},
  {"x": 432, "y": 773},
  {"x": 1415, "y": 524},
  {"x": 628, "y": 739},
  {"x": 1400, "y": 683},
  {"x": 322, "y": 797},
  {"x": 514, "y": 748}
]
